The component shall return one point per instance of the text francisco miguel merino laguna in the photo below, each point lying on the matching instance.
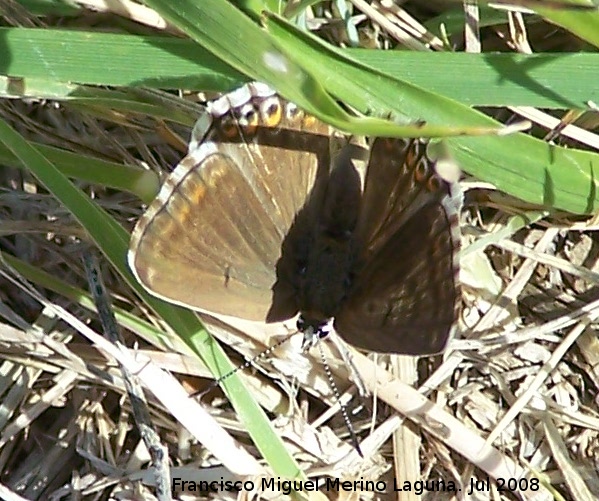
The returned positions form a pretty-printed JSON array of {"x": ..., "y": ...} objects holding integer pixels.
[{"x": 329, "y": 484}]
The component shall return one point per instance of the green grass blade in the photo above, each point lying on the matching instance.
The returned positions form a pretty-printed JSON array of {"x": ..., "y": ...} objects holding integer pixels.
[{"x": 542, "y": 80}]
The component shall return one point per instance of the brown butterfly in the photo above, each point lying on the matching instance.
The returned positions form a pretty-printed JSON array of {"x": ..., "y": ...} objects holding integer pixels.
[{"x": 263, "y": 220}]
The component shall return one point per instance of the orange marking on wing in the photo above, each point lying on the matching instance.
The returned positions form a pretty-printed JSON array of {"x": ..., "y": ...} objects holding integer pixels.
[{"x": 273, "y": 115}]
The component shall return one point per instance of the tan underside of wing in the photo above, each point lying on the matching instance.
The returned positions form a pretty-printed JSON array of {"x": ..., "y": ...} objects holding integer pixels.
[{"x": 212, "y": 238}]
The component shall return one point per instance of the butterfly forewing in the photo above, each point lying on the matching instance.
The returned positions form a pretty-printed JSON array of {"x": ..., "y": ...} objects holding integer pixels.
[{"x": 212, "y": 238}]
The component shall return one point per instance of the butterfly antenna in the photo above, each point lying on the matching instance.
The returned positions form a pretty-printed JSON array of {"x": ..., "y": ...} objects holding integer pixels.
[
  {"x": 337, "y": 395},
  {"x": 139, "y": 405},
  {"x": 248, "y": 363}
]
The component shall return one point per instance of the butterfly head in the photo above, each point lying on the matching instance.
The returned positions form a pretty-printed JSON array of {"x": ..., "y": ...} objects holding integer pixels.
[{"x": 313, "y": 330}]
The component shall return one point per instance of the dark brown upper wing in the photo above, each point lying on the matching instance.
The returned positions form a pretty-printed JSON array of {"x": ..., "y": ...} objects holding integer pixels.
[{"x": 405, "y": 295}]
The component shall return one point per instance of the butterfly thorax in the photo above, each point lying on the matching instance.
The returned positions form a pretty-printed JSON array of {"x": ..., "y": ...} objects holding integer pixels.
[{"x": 326, "y": 277}]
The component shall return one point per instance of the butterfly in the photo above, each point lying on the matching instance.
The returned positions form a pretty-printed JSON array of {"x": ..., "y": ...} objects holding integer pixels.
[{"x": 269, "y": 216}]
